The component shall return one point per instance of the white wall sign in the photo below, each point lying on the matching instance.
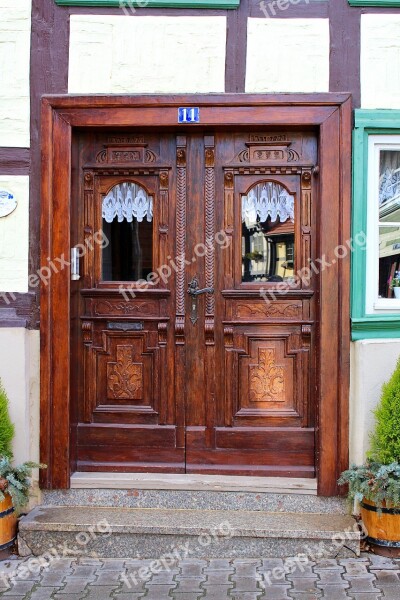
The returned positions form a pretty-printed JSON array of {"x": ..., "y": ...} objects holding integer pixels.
[{"x": 7, "y": 203}]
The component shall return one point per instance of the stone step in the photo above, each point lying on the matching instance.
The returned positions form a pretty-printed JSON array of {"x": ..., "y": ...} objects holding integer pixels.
[
  {"x": 154, "y": 533},
  {"x": 143, "y": 490}
]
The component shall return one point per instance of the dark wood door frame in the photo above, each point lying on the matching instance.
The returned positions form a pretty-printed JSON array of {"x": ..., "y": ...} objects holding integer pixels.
[{"x": 331, "y": 114}]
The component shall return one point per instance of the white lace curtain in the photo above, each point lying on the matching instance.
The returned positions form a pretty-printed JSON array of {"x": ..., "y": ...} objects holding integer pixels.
[
  {"x": 127, "y": 201},
  {"x": 265, "y": 200},
  {"x": 389, "y": 181}
]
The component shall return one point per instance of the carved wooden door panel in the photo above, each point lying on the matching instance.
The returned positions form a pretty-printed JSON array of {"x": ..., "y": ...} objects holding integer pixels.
[
  {"x": 256, "y": 403},
  {"x": 127, "y": 415},
  {"x": 195, "y": 316}
]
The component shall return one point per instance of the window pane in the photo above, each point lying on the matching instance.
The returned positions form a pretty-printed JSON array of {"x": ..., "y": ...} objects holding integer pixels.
[
  {"x": 127, "y": 222},
  {"x": 267, "y": 233},
  {"x": 389, "y": 186},
  {"x": 389, "y": 259}
]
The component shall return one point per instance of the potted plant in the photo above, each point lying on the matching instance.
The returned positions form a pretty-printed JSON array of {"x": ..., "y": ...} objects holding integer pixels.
[
  {"x": 14, "y": 481},
  {"x": 376, "y": 483},
  {"x": 395, "y": 285}
]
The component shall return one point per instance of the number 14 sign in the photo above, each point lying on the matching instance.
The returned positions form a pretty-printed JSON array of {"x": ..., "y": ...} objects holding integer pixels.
[{"x": 188, "y": 114}]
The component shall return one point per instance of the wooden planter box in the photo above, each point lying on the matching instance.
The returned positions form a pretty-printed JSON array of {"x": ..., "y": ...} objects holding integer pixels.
[
  {"x": 383, "y": 529},
  {"x": 8, "y": 523}
]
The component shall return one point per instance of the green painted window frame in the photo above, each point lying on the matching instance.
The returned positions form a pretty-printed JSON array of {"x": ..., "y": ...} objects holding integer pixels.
[
  {"x": 366, "y": 326},
  {"x": 379, "y": 3},
  {"x": 211, "y": 4}
]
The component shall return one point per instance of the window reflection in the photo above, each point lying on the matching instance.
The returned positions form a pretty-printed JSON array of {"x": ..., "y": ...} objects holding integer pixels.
[
  {"x": 267, "y": 234},
  {"x": 128, "y": 224},
  {"x": 389, "y": 222}
]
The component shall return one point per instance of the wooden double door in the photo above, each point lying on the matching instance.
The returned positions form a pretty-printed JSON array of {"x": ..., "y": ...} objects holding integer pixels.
[{"x": 194, "y": 305}]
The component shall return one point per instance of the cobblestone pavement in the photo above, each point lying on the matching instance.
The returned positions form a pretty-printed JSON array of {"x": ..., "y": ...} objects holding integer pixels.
[{"x": 366, "y": 578}]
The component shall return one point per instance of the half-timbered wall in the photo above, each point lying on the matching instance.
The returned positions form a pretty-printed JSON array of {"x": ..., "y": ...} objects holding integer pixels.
[{"x": 308, "y": 46}]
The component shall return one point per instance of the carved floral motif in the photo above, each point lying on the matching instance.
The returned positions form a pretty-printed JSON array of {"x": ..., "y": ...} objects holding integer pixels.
[
  {"x": 124, "y": 378},
  {"x": 267, "y": 380}
]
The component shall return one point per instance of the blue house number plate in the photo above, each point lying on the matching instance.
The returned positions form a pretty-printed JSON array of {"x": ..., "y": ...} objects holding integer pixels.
[{"x": 188, "y": 114}]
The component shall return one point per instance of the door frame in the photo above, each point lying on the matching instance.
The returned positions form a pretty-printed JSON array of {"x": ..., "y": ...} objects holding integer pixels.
[{"x": 331, "y": 114}]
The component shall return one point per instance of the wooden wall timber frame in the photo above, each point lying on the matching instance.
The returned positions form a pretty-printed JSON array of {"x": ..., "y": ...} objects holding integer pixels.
[{"x": 330, "y": 114}]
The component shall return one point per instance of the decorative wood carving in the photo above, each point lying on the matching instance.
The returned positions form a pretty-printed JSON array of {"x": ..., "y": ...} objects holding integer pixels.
[
  {"x": 162, "y": 334},
  {"x": 164, "y": 202},
  {"x": 267, "y": 149},
  {"x": 87, "y": 329},
  {"x": 180, "y": 227},
  {"x": 145, "y": 308},
  {"x": 88, "y": 257},
  {"x": 210, "y": 221},
  {"x": 272, "y": 310},
  {"x": 126, "y": 153},
  {"x": 125, "y": 377},
  {"x": 228, "y": 226},
  {"x": 267, "y": 379},
  {"x": 228, "y": 336}
]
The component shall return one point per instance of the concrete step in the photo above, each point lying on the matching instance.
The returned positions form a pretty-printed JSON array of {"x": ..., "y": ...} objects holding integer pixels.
[{"x": 154, "y": 533}]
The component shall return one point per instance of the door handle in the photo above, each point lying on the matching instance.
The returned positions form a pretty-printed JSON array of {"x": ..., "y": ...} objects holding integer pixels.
[
  {"x": 75, "y": 274},
  {"x": 193, "y": 289}
]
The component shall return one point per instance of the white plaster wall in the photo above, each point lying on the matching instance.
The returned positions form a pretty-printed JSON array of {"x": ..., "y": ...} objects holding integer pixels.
[
  {"x": 372, "y": 363},
  {"x": 117, "y": 54},
  {"x": 15, "y": 36},
  {"x": 14, "y": 236},
  {"x": 380, "y": 61},
  {"x": 19, "y": 373},
  {"x": 287, "y": 55}
]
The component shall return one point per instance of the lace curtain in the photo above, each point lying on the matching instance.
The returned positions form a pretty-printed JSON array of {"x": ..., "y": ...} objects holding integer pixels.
[
  {"x": 265, "y": 200},
  {"x": 389, "y": 180},
  {"x": 127, "y": 201}
]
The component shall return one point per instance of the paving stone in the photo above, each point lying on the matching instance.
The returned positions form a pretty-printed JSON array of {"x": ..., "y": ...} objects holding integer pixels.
[
  {"x": 213, "y": 592},
  {"x": 335, "y": 592},
  {"x": 183, "y": 596},
  {"x": 219, "y": 578},
  {"x": 302, "y": 584},
  {"x": 132, "y": 585},
  {"x": 219, "y": 563},
  {"x": 246, "y": 584},
  {"x": 20, "y": 588},
  {"x": 74, "y": 586},
  {"x": 382, "y": 562},
  {"x": 368, "y": 596},
  {"x": 270, "y": 563},
  {"x": 386, "y": 577},
  {"x": 107, "y": 577},
  {"x": 328, "y": 563},
  {"x": 110, "y": 564},
  {"x": 51, "y": 578},
  {"x": 355, "y": 568},
  {"x": 192, "y": 568},
  {"x": 43, "y": 593},
  {"x": 362, "y": 584},
  {"x": 87, "y": 572},
  {"x": 104, "y": 592},
  {"x": 246, "y": 568},
  {"x": 275, "y": 592},
  {"x": 389, "y": 593},
  {"x": 306, "y": 595},
  {"x": 129, "y": 596},
  {"x": 248, "y": 596},
  {"x": 158, "y": 592},
  {"x": 189, "y": 584},
  {"x": 329, "y": 577},
  {"x": 164, "y": 577},
  {"x": 69, "y": 596}
]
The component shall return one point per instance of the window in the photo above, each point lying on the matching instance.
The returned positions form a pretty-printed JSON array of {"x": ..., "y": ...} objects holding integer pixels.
[
  {"x": 267, "y": 233},
  {"x": 128, "y": 224},
  {"x": 376, "y": 213}
]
